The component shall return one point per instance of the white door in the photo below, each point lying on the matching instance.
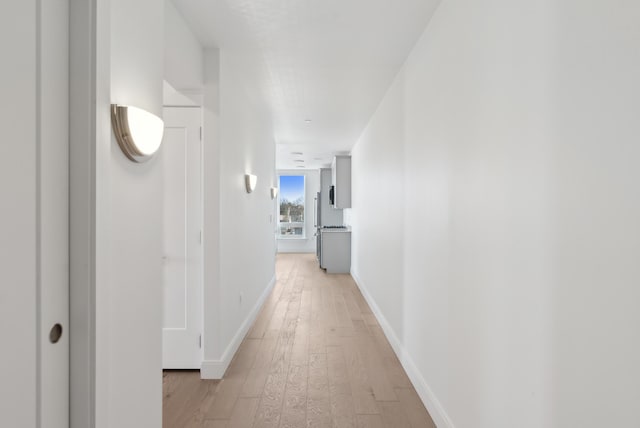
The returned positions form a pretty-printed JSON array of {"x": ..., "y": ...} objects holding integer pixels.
[
  {"x": 34, "y": 287},
  {"x": 182, "y": 263},
  {"x": 54, "y": 214}
]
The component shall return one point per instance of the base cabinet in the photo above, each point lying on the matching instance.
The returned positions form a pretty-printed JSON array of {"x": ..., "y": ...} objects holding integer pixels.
[{"x": 335, "y": 254}]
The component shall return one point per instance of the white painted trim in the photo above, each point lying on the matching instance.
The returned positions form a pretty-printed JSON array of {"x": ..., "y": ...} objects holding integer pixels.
[
  {"x": 431, "y": 402},
  {"x": 89, "y": 161},
  {"x": 214, "y": 369},
  {"x": 188, "y": 98}
]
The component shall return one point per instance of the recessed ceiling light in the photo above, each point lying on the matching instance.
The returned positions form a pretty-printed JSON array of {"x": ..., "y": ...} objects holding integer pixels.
[
  {"x": 297, "y": 153},
  {"x": 307, "y": 121},
  {"x": 300, "y": 166},
  {"x": 298, "y": 160},
  {"x": 317, "y": 158}
]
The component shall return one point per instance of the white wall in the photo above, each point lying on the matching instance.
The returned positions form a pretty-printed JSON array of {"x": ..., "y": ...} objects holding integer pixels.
[
  {"x": 312, "y": 186},
  {"x": 508, "y": 146},
  {"x": 213, "y": 348},
  {"x": 135, "y": 226},
  {"x": 238, "y": 140},
  {"x": 596, "y": 206},
  {"x": 183, "y": 58},
  {"x": 247, "y": 247}
]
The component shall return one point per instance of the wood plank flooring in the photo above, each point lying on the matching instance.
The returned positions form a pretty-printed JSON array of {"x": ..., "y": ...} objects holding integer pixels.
[{"x": 315, "y": 357}]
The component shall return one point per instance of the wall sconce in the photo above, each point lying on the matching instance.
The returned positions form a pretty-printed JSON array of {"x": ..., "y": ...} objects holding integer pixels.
[
  {"x": 274, "y": 192},
  {"x": 138, "y": 132},
  {"x": 250, "y": 181}
]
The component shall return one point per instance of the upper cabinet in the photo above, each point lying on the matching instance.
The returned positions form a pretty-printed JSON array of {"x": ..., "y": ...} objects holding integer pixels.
[
  {"x": 341, "y": 180},
  {"x": 329, "y": 216}
]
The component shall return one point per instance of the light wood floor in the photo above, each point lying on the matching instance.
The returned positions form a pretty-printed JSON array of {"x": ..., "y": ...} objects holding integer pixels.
[{"x": 315, "y": 357}]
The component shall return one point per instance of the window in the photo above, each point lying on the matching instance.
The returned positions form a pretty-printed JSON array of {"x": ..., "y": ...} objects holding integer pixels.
[{"x": 291, "y": 222}]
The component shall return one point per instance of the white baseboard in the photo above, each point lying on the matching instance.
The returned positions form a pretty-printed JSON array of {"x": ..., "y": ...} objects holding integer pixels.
[
  {"x": 214, "y": 369},
  {"x": 431, "y": 402}
]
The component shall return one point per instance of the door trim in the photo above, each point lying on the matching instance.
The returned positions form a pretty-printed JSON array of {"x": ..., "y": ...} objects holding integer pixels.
[{"x": 89, "y": 145}]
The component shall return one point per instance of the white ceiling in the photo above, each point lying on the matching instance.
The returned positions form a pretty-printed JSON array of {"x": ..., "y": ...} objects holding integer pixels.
[{"x": 327, "y": 61}]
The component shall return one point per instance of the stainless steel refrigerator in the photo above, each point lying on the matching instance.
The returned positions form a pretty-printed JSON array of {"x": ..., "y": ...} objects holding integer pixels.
[
  {"x": 324, "y": 215},
  {"x": 317, "y": 212}
]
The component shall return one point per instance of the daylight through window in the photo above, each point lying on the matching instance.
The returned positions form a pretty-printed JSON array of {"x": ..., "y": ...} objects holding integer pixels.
[{"x": 291, "y": 206}]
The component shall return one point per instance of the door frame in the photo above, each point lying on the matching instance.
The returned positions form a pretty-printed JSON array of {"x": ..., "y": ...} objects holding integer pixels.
[{"x": 89, "y": 154}]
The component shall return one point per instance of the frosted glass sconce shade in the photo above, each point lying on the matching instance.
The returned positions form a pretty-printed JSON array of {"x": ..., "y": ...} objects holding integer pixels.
[
  {"x": 274, "y": 192},
  {"x": 138, "y": 132},
  {"x": 250, "y": 181}
]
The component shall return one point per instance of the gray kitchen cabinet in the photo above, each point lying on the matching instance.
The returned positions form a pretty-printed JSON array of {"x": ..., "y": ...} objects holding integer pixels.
[
  {"x": 341, "y": 180},
  {"x": 330, "y": 216},
  {"x": 335, "y": 255}
]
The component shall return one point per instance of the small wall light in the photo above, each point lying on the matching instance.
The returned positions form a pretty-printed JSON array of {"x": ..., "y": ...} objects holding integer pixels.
[
  {"x": 250, "y": 181},
  {"x": 138, "y": 132},
  {"x": 274, "y": 192}
]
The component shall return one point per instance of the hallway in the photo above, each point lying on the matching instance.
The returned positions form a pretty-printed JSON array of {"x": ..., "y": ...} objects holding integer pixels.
[{"x": 315, "y": 357}]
